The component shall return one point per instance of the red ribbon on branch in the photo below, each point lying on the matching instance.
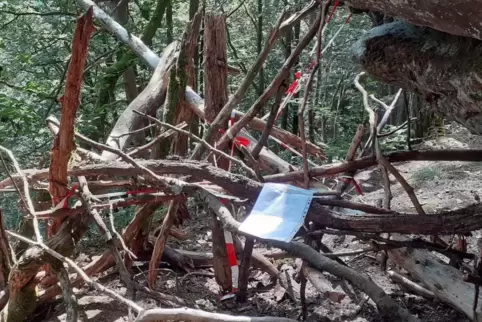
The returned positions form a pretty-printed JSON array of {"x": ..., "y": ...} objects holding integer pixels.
[
  {"x": 355, "y": 184},
  {"x": 66, "y": 198}
]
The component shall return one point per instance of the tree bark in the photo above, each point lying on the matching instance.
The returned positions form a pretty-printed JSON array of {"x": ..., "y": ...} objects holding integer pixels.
[
  {"x": 150, "y": 99},
  {"x": 184, "y": 113},
  {"x": 63, "y": 150},
  {"x": 443, "y": 68},
  {"x": 216, "y": 96}
]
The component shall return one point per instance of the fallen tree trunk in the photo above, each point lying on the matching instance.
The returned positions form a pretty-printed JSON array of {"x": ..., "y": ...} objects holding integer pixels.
[
  {"x": 323, "y": 171},
  {"x": 188, "y": 314},
  {"x": 456, "y": 17},
  {"x": 387, "y": 306},
  {"x": 443, "y": 68}
]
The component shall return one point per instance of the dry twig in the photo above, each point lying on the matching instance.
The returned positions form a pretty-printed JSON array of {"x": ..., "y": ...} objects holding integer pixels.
[{"x": 26, "y": 192}]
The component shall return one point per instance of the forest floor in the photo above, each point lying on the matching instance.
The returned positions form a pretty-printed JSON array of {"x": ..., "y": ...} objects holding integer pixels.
[{"x": 438, "y": 185}]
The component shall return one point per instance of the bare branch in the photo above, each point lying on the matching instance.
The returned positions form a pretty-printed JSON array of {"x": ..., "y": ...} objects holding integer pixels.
[
  {"x": 26, "y": 193},
  {"x": 194, "y": 137},
  {"x": 261, "y": 101}
]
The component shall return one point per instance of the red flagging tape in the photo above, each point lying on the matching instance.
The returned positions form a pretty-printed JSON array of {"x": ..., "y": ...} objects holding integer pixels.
[
  {"x": 231, "y": 252},
  {"x": 337, "y": 2},
  {"x": 242, "y": 141},
  {"x": 355, "y": 184},
  {"x": 348, "y": 19},
  {"x": 67, "y": 197}
]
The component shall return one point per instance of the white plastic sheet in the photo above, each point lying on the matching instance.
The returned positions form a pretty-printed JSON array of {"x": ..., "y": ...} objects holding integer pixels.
[{"x": 278, "y": 212}]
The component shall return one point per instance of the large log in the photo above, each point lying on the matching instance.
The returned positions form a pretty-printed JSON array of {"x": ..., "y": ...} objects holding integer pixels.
[
  {"x": 443, "y": 68},
  {"x": 461, "y": 17},
  {"x": 445, "y": 281}
]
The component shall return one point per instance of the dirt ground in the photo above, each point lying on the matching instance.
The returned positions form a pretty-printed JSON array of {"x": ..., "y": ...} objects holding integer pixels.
[{"x": 438, "y": 185}]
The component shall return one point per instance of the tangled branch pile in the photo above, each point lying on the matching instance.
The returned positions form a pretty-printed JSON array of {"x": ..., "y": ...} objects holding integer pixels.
[{"x": 167, "y": 171}]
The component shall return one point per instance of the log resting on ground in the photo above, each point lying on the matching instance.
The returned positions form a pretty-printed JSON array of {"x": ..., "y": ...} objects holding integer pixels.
[{"x": 443, "y": 68}]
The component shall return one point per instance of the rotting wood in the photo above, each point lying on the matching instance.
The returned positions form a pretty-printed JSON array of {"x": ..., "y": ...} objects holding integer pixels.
[{"x": 442, "y": 68}]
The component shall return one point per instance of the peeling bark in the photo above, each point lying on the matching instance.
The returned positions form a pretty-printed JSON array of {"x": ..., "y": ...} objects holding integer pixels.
[
  {"x": 22, "y": 277},
  {"x": 185, "y": 114}
]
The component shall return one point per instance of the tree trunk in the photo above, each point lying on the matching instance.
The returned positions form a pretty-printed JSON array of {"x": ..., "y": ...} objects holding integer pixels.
[
  {"x": 193, "y": 66},
  {"x": 216, "y": 96},
  {"x": 259, "y": 48},
  {"x": 169, "y": 23},
  {"x": 294, "y": 126},
  {"x": 149, "y": 100},
  {"x": 184, "y": 113},
  {"x": 123, "y": 66},
  {"x": 121, "y": 15},
  {"x": 287, "y": 50}
]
